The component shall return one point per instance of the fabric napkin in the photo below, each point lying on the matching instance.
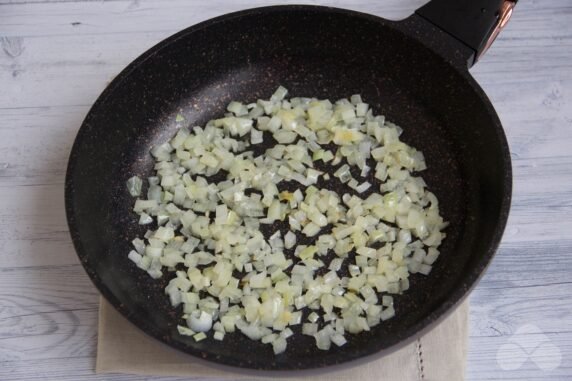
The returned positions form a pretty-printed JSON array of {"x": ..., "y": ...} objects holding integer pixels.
[{"x": 439, "y": 355}]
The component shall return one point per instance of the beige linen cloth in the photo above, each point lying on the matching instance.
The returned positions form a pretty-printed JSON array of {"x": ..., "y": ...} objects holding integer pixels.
[{"x": 439, "y": 355}]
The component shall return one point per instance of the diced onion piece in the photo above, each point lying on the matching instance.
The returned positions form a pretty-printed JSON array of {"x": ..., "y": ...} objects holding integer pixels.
[
  {"x": 309, "y": 329},
  {"x": 143, "y": 205},
  {"x": 289, "y": 240},
  {"x": 134, "y": 185},
  {"x": 279, "y": 94},
  {"x": 185, "y": 331},
  {"x": 311, "y": 229},
  {"x": 338, "y": 339},
  {"x": 256, "y": 137},
  {"x": 201, "y": 323},
  {"x": 323, "y": 339},
  {"x": 135, "y": 257},
  {"x": 145, "y": 219},
  {"x": 200, "y": 336},
  {"x": 363, "y": 187},
  {"x": 284, "y": 136},
  {"x": 279, "y": 345},
  {"x": 313, "y": 317}
]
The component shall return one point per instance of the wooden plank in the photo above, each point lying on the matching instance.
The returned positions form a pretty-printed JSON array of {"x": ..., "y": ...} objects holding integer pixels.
[
  {"x": 149, "y": 15},
  {"x": 35, "y": 144},
  {"x": 34, "y": 232},
  {"x": 78, "y": 369},
  {"x": 46, "y": 313}
]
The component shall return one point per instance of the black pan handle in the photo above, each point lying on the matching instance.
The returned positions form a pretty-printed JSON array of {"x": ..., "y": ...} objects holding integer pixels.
[{"x": 476, "y": 23}]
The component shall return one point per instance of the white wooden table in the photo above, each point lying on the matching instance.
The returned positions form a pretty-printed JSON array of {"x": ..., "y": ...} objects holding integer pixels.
[{"x": 57, "y": 56}]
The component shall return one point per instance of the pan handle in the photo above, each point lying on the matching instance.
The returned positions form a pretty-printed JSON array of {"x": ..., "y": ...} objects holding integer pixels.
[{"x": 476, "y": 23}]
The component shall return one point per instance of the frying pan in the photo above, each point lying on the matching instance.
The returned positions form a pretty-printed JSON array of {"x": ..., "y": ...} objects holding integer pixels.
[{"x": 415, "y": 72}]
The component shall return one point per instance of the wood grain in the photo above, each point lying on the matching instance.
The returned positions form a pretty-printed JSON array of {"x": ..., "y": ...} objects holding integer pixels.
[{"x": 57, "y": 56}]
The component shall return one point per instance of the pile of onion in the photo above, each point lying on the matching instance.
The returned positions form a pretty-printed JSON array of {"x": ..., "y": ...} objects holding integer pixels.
[{"x": 317, "y": 231}]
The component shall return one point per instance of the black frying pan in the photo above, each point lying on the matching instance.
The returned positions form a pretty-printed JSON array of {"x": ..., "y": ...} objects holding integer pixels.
[{"x": 413, "y": 71}]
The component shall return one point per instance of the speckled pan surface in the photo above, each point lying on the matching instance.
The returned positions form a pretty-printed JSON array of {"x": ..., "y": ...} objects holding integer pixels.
[{"x": 313, "y": 51}]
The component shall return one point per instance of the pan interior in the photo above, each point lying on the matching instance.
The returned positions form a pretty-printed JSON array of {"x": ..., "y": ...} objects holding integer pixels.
[{"x": 315, "y": 53}]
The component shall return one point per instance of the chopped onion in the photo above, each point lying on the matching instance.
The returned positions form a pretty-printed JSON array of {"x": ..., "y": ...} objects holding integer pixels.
[
  {"x": 200, "y": 336},
  {"x": 134, "y": 185},
  {"x": 323, "y": 339},
  {"x": 309, "y": 329},
  {"x": 185, "y": 331},
  {"x": 385, "y": 227},
  {"x": 289, "y": 240},
  {"x": 338, "y": 339},
  {"x": 279, "y": 345},
  {"x": 363, "y": 187},
  {"x": 201, "y": 323}
]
